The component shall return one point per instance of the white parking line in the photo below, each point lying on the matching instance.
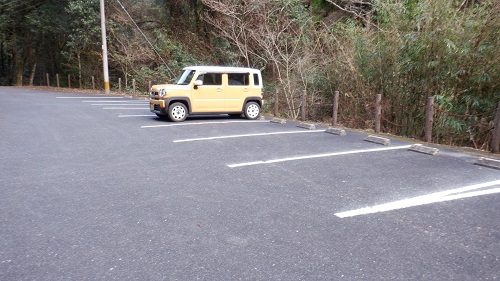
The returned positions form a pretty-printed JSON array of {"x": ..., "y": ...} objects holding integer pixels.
[
  {"x": 138, "y": 115},
  {"x": 114, "y": 101},
  {"x": 453, "y": 194},
  {"x": 117, "y": 104},
  {"x": 249, "y": 135},
  {"x": 89, "y": 97},
  {"x": 142, "y": 108},
  {"x": 203, "y": 123},
  {"x": 317, "y": 156}
]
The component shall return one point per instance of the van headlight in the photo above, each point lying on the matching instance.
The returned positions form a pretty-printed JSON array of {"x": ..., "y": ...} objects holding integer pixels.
[{"x": 162, "y": 93}]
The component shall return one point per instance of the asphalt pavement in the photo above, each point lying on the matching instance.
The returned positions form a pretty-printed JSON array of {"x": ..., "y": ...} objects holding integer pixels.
[{"x": 96, "y": 187}]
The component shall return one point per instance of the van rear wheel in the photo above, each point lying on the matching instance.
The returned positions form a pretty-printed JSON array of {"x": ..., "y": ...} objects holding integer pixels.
[
  {"x": 252, "y": 110},
  {"x": 177, "y": 112}
]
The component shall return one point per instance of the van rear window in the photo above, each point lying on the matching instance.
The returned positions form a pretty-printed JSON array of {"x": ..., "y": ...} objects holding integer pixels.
[
  {"x": 256, "y": 80},
  {"x": 238, "y": 79}
]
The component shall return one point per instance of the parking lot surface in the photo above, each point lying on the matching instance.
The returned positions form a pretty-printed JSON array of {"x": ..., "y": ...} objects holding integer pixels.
[{"x": 96, "y": 187}]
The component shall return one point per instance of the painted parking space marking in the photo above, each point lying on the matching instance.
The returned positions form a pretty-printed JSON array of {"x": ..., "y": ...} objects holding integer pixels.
[
  {"x": 443, "y": 196},
  {"x": 89, "y": 97},
  {"x": 116, "y": 101},
  {"x": 306, "y": 157},
  {"x": 203, "y": 123},
  {"x": 112, "y": 108},
  {"x": 116, "y": 104},
  {"x": 248, "y": 135},
  {"x": 138, "y": 115}
]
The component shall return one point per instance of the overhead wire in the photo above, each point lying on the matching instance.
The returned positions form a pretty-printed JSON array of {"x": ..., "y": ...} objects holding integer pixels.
[{"x": 145, "y": 37}]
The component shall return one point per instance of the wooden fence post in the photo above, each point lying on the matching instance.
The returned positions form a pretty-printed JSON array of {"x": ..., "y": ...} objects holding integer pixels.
[
  {"x": 93, "y": 83},
  {"x": 149, "y": 87},
  {"x": 429, "y": 118},
  {"x": 69, "y": 80},
  {"x": 335, "y": 108},
  {"x": 119, "y": 85},
  {"x": 57, "y": 80},
  {"x": 495, "y": 142},
  {"x": 304, "y": 105},
  {"x": 276, "y": 103},
  {"x": 48, "y": 79},
  {"x": 133, "y": 87},
  {"x": 378, "y": 112}
]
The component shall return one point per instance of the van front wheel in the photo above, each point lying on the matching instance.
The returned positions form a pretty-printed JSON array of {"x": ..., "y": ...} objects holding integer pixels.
[
  {"x": 177, "y": 112},
  {"x": 252, "y": 110}
]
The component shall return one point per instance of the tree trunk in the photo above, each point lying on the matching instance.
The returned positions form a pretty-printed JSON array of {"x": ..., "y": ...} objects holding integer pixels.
[
  {"x": 19, "y": 73},
  {"x": 79, "y": 70},
  {"x": 32, "y": 75}
]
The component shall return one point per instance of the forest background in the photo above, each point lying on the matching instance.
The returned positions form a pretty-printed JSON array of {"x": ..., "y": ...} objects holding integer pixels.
[{"x": 405, "y": 50}]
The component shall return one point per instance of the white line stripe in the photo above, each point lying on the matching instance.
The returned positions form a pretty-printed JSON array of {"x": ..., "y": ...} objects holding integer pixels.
[
  {"x": 118, "y": 104},
  {"x": 121, "y": 101},
  {"x": 442, "y": 196},
  {"x": 316, "y": 156},
  {"x": 89, "y": 97},
  {"x": 142, "y": 108},
  {"x": 150, "y": 115},
  {"x": 202, "y": 123},
  {"x": 248, "y": 135},
  {"x": 470, "y": 194}
]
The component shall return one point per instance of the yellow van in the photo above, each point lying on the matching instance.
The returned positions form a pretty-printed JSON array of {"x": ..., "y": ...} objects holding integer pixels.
[{"x": 209, "y": 89}]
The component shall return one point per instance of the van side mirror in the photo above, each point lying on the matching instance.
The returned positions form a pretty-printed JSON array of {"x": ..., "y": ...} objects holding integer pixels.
[{"x": 198, "y": 83}]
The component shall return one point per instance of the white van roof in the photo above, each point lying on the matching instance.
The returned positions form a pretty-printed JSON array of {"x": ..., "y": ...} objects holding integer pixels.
[{"x": 222, "y": 69}]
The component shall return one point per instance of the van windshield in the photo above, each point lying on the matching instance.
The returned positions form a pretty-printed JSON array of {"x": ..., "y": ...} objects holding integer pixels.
[{"x": 185, "y": 77}]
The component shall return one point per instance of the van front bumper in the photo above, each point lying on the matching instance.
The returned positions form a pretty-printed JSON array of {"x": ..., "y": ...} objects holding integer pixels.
[{"x": 157, "y": 106}]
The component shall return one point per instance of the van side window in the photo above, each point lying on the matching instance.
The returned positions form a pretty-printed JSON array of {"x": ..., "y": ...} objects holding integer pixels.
[
  {"x": 238, "y": 79},
  {"x": 256, "y": 80},
  {"x": 211, "y": 79}
]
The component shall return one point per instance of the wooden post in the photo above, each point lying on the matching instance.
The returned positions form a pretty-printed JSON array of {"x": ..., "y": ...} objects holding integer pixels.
[
  {"x": 276, "y": 103},
  {"x": 69, "y": 80},
  {"x": 495, "y": 142},
  {"x": 149, "y": 87},
  {"x": 48, "y": 80},
  {"x": 119, "y": 85},
  {"x": 93, "y": 83},
  {"x": 429, "y": 118},
  {"x": 335, "y": 108},
  {"x": 304, "y": 105},
  {"x": 57, "y": 79},
  {"x": 133, "y": 86},
  {"x": 378, "y": 112}
]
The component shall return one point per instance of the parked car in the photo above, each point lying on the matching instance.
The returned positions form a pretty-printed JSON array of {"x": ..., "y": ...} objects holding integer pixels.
[{"x": 209, "y": 89}]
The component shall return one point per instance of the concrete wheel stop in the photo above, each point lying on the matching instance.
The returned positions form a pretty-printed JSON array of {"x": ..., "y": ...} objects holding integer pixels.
[
  {"x": 379, "y": 140},
  {"x": 424, "y": 149},
  {"x": 307, "y": 126},
  {"x": 335, "y": 131},
  {"x": 278, "y": 121},
  {"x": 488, "y": 162}
]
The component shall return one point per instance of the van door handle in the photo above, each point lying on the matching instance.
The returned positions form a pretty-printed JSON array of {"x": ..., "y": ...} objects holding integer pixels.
[{"x": 219, "y": 90}]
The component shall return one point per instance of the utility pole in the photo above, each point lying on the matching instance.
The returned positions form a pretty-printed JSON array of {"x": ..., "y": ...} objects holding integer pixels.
[{"x": 104, "y": 50}]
